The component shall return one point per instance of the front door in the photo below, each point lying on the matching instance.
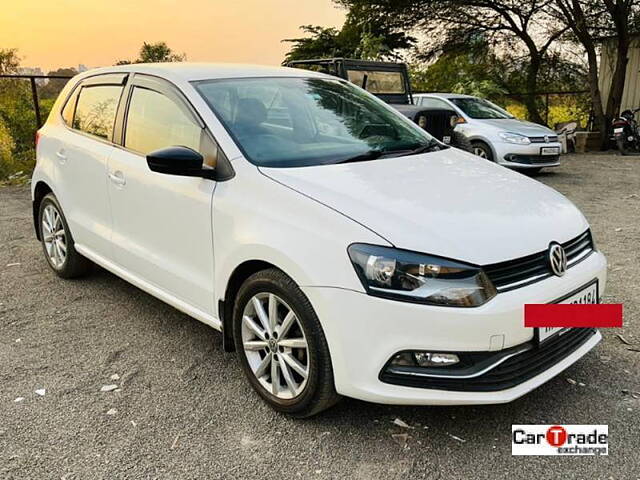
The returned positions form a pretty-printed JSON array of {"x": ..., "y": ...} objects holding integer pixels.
[{"x": 162, "y": 224}]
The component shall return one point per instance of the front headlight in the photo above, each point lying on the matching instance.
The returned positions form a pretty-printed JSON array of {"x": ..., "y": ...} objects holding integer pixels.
[
  {"x": 515, "y": 138},
  {"x": 414, "y": 277}
]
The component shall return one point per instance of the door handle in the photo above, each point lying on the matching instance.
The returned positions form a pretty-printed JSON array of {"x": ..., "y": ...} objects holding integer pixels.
[
  {"x": 61, "y": 156},
  {"x": 117, "y": 178}
]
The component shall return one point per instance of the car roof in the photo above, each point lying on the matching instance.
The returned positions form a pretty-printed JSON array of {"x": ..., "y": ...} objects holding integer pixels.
[
  {"x": 190, "y": 71},
  {"x": 443, "y": 95}
]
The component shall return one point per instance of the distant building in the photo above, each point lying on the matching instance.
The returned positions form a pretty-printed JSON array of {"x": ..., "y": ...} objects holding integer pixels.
[
  {"x": 33, "y": 71},
  {"x": 631, "y": 94},
  {"x": 82, "y": 68}
]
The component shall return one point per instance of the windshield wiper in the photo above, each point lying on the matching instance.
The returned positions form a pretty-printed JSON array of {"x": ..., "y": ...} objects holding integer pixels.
[
  {"x": 432, "y": 146},
  {"x": 362, "y": 157}
]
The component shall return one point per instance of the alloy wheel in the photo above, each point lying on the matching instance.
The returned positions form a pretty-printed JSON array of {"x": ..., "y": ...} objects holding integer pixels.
[
  {"x": 275, "y": 345},
  {"x": 54, "y": 236},
  {"x": 480, "y": 152}
]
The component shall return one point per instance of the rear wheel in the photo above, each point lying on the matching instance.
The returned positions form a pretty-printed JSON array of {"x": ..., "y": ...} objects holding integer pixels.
[
  {"x": 281, "y": 345},
  {"x": 482, "y": 150},
  {"x": 57, "y": 242}
]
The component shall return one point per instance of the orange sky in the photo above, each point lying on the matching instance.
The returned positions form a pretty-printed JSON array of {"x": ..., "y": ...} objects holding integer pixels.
[{"x": 61, "y": 33}]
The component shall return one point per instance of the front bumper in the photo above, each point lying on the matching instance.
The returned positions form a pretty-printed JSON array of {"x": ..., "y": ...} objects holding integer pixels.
[
  {"x": 364, "y": 332},
  {"x": 526, "y": 156}
]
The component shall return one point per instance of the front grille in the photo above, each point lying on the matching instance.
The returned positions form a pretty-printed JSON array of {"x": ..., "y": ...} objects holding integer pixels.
[
  {"x": 514, "y": 371},
  {"x": 550, "y": 138},
  {"x": 532, "y": 159},
  {"x": 533, "y": 268},
  {"x": 437, "y": 123}
]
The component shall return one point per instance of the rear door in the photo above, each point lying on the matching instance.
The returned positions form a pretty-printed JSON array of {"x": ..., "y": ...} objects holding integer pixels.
[
  {"x": 85, "y": 144},
  {"x": 162, "y": 224}
]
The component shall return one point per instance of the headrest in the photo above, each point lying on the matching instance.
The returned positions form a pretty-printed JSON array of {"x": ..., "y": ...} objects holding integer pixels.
[{"x": 251, "y": 112}]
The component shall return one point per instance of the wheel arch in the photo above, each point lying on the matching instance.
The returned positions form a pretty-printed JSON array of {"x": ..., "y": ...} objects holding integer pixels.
[
  {"x": 479, "y": 139},
  {"x": 225, "y": 306},
  {"x": 39, "y": 192}
]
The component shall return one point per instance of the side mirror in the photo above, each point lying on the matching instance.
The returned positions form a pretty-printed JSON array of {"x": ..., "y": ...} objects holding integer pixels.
[{"x": 181, "y": 161}]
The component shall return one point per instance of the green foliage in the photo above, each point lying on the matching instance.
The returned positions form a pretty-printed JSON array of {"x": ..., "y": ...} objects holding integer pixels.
[
  {"x": 478, "y": 88},
  {"x": 17, "y": 119},
  {"x": 155, "y": 53},
  {"x": 9, "y": 60},
  {"x": 55, "y": 85},
  {"x": 363, "y": 36}
]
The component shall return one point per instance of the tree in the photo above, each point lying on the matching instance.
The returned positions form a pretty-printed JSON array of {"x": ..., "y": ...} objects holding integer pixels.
[
  {"x": 362, "y": 36},
  {"x": 589, "y": 20},
  {"x": 55, "y": 85},
  {"x": 520, "y": 28},
  {"x": 9, "y": 61},
  {"x": 155, "y": 53}
]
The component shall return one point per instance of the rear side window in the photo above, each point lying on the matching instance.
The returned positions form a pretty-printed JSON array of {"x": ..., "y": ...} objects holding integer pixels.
[
  {"x": 96, "y": 110},
  {"x": 155, "y": 121},
  {"x": 70, "y": 108}
]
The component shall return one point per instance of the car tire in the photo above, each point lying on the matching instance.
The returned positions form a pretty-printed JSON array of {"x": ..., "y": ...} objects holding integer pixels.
[
  {"x": 304, "y": 384},
  {"x": 57, "y": 241},
  {"x": 482, "y": 150}
]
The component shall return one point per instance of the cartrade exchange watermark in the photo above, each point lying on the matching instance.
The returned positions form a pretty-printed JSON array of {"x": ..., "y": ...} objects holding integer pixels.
[{"x": 560, "y": 440}]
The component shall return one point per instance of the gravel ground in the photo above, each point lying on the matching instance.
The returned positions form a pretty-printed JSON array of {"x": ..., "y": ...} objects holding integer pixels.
[{"x": 184, "y": 410}]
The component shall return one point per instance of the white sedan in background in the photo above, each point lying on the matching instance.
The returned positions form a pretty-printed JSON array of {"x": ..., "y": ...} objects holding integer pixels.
[{"x": 497, "y": 135}]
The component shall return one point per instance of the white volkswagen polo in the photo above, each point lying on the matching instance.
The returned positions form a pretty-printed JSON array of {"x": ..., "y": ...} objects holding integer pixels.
[{"x": 338, "y": 247}]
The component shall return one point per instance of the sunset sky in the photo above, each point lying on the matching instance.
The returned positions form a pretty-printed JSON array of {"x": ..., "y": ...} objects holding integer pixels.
[{"x": 63, "y": 33}]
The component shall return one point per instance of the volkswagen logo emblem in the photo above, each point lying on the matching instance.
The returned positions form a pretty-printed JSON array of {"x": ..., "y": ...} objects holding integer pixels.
[
  {"x": 546, "y": 139},
  {"x": 557, "y": 259}
]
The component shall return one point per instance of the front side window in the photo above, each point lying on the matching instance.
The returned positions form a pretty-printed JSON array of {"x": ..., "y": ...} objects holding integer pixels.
[
  {"x": 96, "y": 107},
  {"x": 480, "y": 108},
  {"x": 155, "y": 121},
  {"x": 289, "y": 122},
  {"x": 383, "y": 83}
]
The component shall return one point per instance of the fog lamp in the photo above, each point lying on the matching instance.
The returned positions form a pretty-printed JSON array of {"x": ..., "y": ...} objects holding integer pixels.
[
  {"x": 424, "y": 359},
  {"x": 431, "y": 359}
]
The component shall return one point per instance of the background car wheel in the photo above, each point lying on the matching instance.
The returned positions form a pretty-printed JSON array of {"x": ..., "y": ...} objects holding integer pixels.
[
  {"x": 281, "y": 345},
  {"x": 57, "y": 241},
  {"x": 482, "y": 150}
]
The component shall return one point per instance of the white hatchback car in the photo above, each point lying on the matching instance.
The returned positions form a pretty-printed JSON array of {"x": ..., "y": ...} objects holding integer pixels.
[
  {"x": 497, "y": 135},
  {"x": 338, "y": 247}
]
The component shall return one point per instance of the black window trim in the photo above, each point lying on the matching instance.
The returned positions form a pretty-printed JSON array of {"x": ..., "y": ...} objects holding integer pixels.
[
  {"x": 97, "y": 80},
  {"x": 169, "y": 89}
]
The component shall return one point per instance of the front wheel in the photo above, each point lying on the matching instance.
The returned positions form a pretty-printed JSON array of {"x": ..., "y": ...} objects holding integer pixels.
[
  {"x": 281, "y": 346},
  {"x": 622, "y": 145},
  {"x": 482, "y": 150}
]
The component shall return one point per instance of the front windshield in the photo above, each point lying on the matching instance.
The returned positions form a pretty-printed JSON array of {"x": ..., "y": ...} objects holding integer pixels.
[
  {"x": 293, "y": 122},
  {"x": 480, "y": 108}
]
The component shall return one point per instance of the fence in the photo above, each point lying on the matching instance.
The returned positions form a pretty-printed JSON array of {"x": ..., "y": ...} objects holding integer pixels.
[
  {"x": 556, "y": 106},
  {"x": 34, "y": 90}
]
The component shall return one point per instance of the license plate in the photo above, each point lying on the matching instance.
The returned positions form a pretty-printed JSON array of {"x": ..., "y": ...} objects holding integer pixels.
[
  {"x": 588, "y": 294},
  {"x": 550, "y": 151},
  {"x": 618, "y": 130}
]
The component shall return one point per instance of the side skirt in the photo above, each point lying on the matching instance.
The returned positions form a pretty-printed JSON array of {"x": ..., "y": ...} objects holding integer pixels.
[{"x": 150, "y": 288}]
